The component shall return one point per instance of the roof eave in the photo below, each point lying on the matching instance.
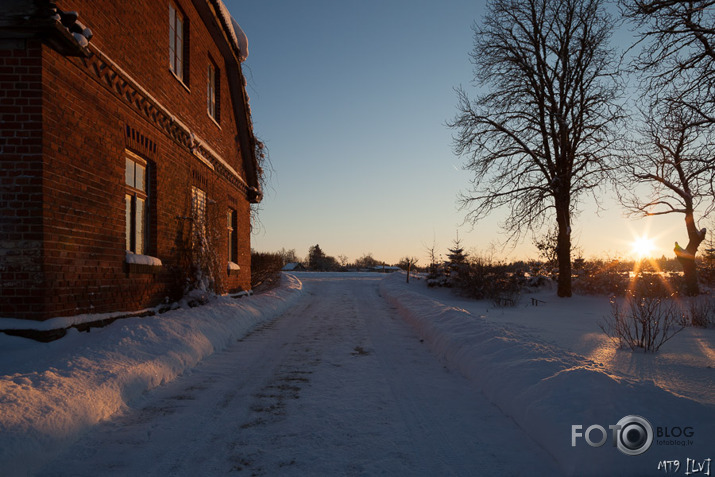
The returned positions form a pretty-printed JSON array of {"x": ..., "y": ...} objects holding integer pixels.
[{"x": 209, "y": 12}]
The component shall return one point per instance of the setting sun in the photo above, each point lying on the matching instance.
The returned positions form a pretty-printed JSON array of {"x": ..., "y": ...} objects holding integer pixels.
[{"x": 642, "y": 247}]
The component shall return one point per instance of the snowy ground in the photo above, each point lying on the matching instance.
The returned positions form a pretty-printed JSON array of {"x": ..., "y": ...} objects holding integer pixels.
[
  {"x": 550, "y": 367},
  {"x": 341, "y": 384},
  {"x": 52, "y": 393}
]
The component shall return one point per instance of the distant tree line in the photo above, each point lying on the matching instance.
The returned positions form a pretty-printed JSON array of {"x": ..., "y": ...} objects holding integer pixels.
[
  {"x": 482, "y": 276},
  {"x": 317, "y": 260}
]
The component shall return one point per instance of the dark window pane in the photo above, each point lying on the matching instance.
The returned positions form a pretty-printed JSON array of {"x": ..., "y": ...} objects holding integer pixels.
[
  {"x": 172, "y": 36},
  {"x": 179, "y": 53},
  {"x": 212, "y": 91}
]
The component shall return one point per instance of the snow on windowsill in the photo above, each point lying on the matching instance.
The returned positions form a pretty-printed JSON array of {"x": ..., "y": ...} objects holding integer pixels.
[{"x": 137, "y": 259}]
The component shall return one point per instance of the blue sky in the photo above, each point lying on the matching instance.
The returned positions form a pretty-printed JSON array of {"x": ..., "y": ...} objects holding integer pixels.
[{"x": 351, "y": 99}]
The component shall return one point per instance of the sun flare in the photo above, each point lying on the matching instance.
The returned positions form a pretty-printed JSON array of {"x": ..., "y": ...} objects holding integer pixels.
[{"x": 642, "y": 247}]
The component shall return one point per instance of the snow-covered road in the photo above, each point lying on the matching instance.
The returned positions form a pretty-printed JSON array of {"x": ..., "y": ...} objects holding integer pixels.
[{"x": 338, "y": 385}]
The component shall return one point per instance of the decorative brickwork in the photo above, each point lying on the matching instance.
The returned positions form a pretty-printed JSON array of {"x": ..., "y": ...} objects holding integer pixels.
[{"x": 69, "y": 115}]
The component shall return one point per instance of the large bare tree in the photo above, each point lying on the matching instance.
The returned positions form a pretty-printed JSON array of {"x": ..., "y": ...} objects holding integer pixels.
[
  {"x": 677, "y": 59},
  {"x": 677, "y": 75},
  {"x": 676, "y": 160},
  {"x": 538, "y": 134}
]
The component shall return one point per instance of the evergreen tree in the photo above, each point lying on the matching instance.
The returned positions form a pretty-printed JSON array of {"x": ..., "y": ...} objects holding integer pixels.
[
  {"x": 456, "y": 254},
  {"x": 457, "y": 263},
  {"x": 316, "y": 258}
]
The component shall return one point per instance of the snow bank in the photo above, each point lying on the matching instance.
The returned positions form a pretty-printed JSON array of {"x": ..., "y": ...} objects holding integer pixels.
[
  {"x": 546, "y": 389},
  {"x": 50, "y": 393}
]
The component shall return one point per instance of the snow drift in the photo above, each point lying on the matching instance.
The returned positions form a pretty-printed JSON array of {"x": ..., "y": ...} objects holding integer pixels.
[
  {"x": 546, "y": 389},
  {"x": 50, "y": 393}
]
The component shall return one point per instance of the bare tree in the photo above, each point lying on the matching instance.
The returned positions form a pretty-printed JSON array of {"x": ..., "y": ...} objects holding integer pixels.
[
  {"x": 540, "y": 135},
  {"x": 406, "y": 264},
  {"x": 548, "y": 248},
  {"x": 675, "y": 159},
  {"x": 678, "y": 55},
  {"x": 677, "y": 66},
  {"x": 288, "y": 256},
  {"x": 366, "y": 261},
  {"x": 343, "y": 260}
]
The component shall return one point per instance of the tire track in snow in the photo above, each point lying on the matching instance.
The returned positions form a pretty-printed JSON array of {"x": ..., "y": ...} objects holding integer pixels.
[{"x": 337, "y": 386}]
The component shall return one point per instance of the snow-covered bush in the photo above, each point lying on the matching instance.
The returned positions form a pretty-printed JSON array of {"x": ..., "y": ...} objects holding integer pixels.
[
  {"x": 437, "y": 275},
  {"x": 642, "y": 321},
  {"x": 496, "y": 282}
]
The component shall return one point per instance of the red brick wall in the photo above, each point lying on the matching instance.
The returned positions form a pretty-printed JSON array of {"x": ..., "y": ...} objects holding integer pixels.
[
  {"x": 21, "y": 280},
  {"x": 64, "y": 132},
  {"x": 135, "y": 34}
]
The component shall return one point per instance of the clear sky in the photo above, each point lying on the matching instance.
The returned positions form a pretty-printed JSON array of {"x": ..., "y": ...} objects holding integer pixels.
[{"x": 351, "y": 99}]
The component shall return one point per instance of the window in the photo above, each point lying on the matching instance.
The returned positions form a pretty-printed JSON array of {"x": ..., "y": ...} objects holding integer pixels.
[
  {"x": 213, "y": 91},
  {"x": 232, "y": 237},
  {"x": 135, "y": 200},
  {"x": 178, "y": 36},
  {"x": 198, "y": 214}
]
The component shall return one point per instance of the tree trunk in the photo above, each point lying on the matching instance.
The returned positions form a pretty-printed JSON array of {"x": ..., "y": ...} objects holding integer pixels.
[
  {"x": 686, "y": 256},
  {"x": 563, "y": 248},
  {"x": 690, "y": 274}
]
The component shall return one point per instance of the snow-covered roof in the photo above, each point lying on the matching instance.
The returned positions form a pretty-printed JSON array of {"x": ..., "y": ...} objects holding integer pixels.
[
  {"x": 380, "y": 268},
  {"x": 238, "y": 37},
  {"x": 289, "y": 267}
]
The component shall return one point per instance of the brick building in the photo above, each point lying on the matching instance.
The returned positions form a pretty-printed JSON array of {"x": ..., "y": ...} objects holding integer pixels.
[{"x": 127, "y": 159}]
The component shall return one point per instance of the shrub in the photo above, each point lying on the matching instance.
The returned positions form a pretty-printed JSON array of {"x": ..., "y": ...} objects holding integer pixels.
[
  {"x": 265, "y": 270},
  {"x": 701, "y": 311},
  {"x": 643, "y": 321},
  {"x": 706, "y": 272},
  {"x": 495, "y": 282},
  {"x": 618, "y": 278},
  {"x": 601, "y": 278},
  {"x": 656, "y": 285}
]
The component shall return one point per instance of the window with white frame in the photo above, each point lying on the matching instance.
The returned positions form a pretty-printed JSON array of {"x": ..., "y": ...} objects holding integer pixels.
[{"x": 136, "y": 199}]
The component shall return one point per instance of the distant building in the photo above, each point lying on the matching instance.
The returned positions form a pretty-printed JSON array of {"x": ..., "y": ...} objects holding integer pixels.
[
  {"x": 294, "y": 267},
  {"x": 126, "y": 143},
  {"x": 385, "y": 269}
]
